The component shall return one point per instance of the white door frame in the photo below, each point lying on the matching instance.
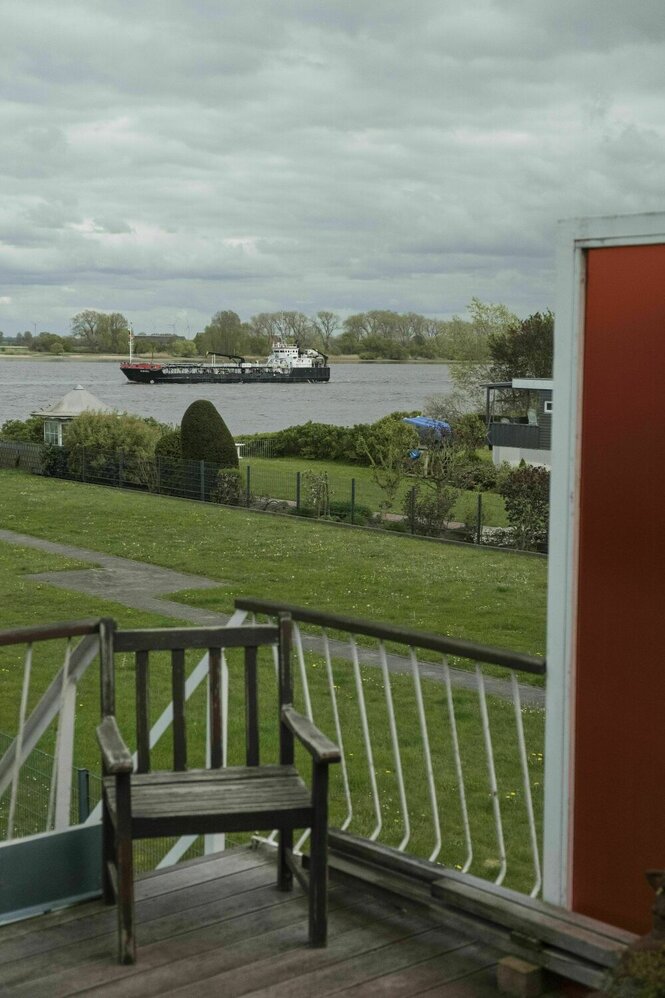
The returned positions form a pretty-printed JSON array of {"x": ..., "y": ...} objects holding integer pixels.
[{"x": 574, "y": 237}]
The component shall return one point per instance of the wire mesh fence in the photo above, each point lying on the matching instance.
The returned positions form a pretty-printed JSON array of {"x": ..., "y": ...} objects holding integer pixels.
[
  {"x": 32, "y": 804},
  {"x": 266, "y": 485}
]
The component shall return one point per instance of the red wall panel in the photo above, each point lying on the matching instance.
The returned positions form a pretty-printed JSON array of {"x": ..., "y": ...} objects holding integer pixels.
[{"x": 619, "y": 735}]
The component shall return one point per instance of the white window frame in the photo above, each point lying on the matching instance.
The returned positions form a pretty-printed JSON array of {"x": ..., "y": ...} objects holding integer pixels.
[
  {"x": 53, "y": 432},
  {"x": 547, "y": 406},
  {"x": 575, "y": 236}
]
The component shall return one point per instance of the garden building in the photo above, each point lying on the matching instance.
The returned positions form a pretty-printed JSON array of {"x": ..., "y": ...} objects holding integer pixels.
[
  {"x": 70, "y": 406},
  {"x": 524, "y": 438}
]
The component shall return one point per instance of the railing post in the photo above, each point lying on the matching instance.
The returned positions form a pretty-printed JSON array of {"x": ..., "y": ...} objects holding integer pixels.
[
  {"x": 120, "y": 468},
  {"x": 83, "y": 781},
  {"x": 353, "y": 500},
  {"x": 158, "y": 469},
  {"x": 202, "y": 476},
  {"x": 479, "y": 519},
  {"x": 83, "y": 463},
  {"x": 247, "y": 485},
  {"x": 297, "y": 490}
]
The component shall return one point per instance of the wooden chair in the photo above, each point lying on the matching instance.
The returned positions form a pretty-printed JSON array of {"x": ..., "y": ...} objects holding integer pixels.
[{"x": 138, "y": 803}]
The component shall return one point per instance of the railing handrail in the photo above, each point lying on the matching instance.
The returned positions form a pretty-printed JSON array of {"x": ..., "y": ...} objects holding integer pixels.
[
  {"x": 534, "y": 664},
  {"x": 46, "y": 632}
]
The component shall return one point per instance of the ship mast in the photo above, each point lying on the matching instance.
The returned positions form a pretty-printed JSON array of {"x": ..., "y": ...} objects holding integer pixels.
[{"x": 131, "y": 343}]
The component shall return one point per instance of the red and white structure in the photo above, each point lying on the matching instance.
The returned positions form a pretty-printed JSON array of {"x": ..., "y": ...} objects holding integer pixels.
[{"x": 605, "y": 745}]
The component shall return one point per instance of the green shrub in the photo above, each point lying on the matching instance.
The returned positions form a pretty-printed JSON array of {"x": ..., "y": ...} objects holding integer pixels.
[
  {"x": 168, "y": 447},
  {"x": 526, "y": 491},
  {"x": 29, "y": 430},
  {"x": 206, "y": 437},
  {"x": 96, "y": 441},
  {"x": 228, "y": 488},
  {"x": 428, "y": 509},
  {"x": 341, "y": 510}
]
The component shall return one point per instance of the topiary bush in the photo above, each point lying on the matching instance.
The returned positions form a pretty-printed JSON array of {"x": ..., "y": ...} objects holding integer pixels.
[{"x": 204, "y": 436}]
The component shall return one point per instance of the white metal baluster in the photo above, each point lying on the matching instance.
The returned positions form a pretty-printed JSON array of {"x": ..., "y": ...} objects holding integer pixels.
[
  {"x": 533, "y": 834},
  {"x": 360, "y": 693},
  {"x": 27, "y": 667},
  {"x": 397, "y": 756},
  {"x": 458, "y": 768},
  {"x": 297, "y": 638},
  {"x": 63, "y": 758},
  {"x": 429, "y": 770},
  {"x": 491, "y": 773},
  {"x": 338, "y": 730}
]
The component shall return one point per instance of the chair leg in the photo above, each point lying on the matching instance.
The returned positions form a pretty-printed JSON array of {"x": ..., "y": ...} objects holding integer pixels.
[
  {"x": 285, "y": 845},
  {"x": 108, "y": 854},
  {"x": 125, "y": 861},
  {"x": 318, "y": 860}
]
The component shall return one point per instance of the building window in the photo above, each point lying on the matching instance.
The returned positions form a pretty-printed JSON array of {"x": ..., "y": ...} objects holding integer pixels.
[
  {"x": 52, "y": 432},
  {"x": 547, "y": 406}
]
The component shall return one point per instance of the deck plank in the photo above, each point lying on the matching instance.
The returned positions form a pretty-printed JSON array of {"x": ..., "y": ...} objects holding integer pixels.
[{"x": 218, "y": 925}]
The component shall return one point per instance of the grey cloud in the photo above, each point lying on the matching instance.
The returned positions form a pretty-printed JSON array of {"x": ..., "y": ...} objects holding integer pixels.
[{"x": 170, "y": 155}]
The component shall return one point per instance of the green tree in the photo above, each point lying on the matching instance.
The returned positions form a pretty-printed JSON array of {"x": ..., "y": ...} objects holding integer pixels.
[
  {"x": 325, "y": 324},
  {"x": 524, "y": 349},
  {"x": 224, "y": 334},
  {"x": 101, "y": 332}
]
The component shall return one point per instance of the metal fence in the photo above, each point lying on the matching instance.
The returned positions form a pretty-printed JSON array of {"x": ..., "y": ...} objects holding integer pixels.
[
  {"x": 34, "y": 793},
  {"x": 265, "y": 486}
]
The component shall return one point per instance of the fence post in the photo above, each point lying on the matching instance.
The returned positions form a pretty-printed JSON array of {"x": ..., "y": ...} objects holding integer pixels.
[
  {"x": 83, "y": 463},
  {"x": 247, "y": 484},
  {"x": 353, "y": 500},
  {"x": 297, "y": 490},
  {"x": 158, "y": 469},
  {"x": 83, "y": 779},
  {"x": 412, "y": 509},
  {"x": 202, "y": 475},
  {"x": 479, "y": 519},
  {"x": 121, "y": 461}
]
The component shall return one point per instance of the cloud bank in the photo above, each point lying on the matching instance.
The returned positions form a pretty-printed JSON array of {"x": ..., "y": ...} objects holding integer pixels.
[{"x": 170, "y": 159}]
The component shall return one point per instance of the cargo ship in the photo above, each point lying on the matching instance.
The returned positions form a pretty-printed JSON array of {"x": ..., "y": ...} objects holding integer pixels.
[{"x": 286, "y": 365}]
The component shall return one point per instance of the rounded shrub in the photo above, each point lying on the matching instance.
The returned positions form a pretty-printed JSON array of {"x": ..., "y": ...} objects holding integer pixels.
[{"x": 204, "y": 436}]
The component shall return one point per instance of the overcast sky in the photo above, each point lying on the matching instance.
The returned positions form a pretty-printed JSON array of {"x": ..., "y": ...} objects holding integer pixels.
[{"x": 168, "y": 159}]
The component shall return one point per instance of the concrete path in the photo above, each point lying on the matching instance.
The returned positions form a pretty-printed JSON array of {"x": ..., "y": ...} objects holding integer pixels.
[{"x": 138, "y": 585}]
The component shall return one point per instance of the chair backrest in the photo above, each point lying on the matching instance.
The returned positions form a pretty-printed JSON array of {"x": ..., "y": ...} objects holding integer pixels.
[{"x": 215, "y": 640}]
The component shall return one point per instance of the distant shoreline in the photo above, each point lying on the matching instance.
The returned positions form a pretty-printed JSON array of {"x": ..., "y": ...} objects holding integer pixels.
[{"x": 333, "y": 360}]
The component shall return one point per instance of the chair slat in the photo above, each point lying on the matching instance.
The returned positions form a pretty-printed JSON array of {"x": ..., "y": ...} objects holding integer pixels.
[
  {"x": 179, "y": 729},
  {"x": 251, "y": 706},
  {"x": 215, "y": 704},
  {"x": 143, "y": 711}
]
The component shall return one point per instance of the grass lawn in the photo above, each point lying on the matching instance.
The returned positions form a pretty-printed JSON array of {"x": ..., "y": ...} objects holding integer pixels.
[
  {"x": 491, "y": 596},
  {"x": 276, "y": 477}
]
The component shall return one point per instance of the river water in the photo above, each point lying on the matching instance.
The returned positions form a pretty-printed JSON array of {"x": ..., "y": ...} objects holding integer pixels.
[{"x": 356, "y": 393}]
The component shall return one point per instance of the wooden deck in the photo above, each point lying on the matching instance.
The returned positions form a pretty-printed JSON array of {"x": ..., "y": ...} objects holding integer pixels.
[{"x": 218, "y": 926}]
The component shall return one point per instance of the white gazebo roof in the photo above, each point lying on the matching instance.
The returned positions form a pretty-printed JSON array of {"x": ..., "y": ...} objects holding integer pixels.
[{"x": 74, "y": 403}]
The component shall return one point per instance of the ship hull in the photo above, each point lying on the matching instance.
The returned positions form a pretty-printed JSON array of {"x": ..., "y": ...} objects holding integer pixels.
[{"x": 208, "y": 374}]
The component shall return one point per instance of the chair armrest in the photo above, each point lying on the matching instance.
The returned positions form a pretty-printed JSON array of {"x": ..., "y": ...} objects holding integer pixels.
[
  {"x": 319, "y": 747},
  {"x": 117, "y": 757}
]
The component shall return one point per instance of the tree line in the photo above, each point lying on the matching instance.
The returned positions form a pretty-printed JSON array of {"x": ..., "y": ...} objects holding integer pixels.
[{"x": 378, "y": 334}]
